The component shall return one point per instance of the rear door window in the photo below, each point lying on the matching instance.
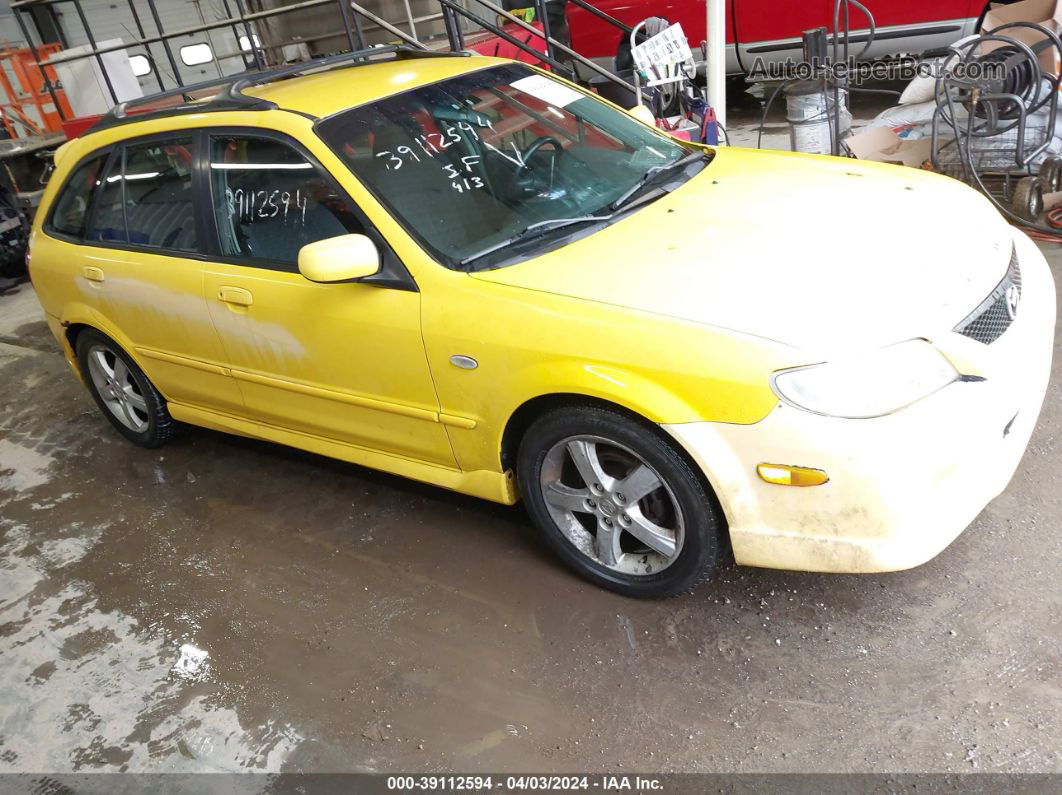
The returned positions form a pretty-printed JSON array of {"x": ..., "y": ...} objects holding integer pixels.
[
  {"x": 146, "y": 200},
  {"x": 159, "y": 210}
]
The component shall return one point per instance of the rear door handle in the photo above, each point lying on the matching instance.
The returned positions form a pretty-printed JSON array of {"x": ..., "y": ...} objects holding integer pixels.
[
  {"x": 93, "y": 274},
  {"x": 235, "y": 295}
]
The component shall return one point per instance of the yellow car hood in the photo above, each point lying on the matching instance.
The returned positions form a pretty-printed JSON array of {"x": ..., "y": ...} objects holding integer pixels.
[{"x": 820, "y": 253}]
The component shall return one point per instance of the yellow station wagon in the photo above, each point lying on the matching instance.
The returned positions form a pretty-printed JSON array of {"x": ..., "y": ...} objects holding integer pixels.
[{"x": 466, "y": 271}]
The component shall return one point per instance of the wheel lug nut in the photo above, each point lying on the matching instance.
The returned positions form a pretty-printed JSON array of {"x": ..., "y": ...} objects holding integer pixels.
[
  {"x": 608, "y": 522},
  {"x": 620, "y": 497},
  {"x": 597, "y": 487},
  {"x": 591, "y": 504}
]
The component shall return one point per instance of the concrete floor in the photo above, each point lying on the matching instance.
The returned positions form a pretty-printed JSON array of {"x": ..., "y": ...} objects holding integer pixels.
[{"x": 228, "y": 605}]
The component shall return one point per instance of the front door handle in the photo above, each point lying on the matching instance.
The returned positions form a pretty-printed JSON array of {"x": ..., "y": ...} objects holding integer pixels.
[
  {"x": 235, "y": 295},
  {"x": 92, "y": 273}
]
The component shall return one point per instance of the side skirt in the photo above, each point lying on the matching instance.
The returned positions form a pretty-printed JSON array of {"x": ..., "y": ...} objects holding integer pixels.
[{"x": 493, "y": 486}]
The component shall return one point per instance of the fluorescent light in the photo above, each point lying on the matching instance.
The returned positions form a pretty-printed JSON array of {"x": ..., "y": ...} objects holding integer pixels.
[{"x": 260, "y": 166}]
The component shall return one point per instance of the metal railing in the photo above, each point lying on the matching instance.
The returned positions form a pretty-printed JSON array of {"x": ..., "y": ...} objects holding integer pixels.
[
  {"x": 353, "y": 14},
  {"x": 452, "y": 9}
]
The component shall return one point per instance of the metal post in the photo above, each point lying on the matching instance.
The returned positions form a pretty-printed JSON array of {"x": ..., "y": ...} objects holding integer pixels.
[
  {"x": 409, "y": 19},
  {"x": 715, "y": 59},
  {"x": 344, "y": 13},
  {"x": 37, "y": 59},
  {"x": 235, "y": 31},
  {"x": 543, "y": 13},
  {"x": 165, "y": 43},
  {"x": 250, "y": 37},
  {"x": 92, "y": 44},
  {"x": 360, "y": 33},
  {"x": 453, "y": 29},
  {"x": 140, "y": 31},
  {"x": 385, "y": 25}
]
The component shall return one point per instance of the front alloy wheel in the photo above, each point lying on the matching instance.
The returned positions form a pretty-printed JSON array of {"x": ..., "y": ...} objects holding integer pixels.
[
  {"x": 619, "y": 502},
  {"x": 612, "y": 505}
]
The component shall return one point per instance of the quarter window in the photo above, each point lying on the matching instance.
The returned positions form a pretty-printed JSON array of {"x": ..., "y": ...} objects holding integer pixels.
[
  {"x": 270, "y": 201},
  {"x": 72, "y": 205},
  {"x": 108, "y": 219}
]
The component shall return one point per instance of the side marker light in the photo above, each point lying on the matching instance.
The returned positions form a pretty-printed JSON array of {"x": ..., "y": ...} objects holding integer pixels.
[{"x": 782, "y": 475}]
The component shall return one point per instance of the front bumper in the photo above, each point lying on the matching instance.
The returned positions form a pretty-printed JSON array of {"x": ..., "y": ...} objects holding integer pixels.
[{"x": 902, "y": 487}]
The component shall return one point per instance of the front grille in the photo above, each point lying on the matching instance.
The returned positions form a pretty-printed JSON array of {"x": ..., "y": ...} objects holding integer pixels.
[{"x": 994, "y": 315}]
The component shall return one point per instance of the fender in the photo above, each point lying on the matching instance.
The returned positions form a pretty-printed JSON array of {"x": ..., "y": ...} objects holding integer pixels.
[
  {"x": 78, "y": 313},
  {"x": 480, "y": 447},
  {"x": 621, "y": 386}
]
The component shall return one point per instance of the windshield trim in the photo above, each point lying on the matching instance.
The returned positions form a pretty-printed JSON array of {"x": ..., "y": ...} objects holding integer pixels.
[{"x": 420, "y": 240}]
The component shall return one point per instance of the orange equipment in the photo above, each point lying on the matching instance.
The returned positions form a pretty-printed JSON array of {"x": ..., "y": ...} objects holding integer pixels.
[{"x": 31, "y": 90}]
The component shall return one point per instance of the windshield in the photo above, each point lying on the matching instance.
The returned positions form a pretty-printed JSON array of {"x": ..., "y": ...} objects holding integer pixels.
[{"x": 498, "y": 164}]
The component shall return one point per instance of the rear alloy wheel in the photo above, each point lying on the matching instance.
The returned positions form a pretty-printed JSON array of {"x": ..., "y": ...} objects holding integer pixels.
[
  {"x": 124, "y": 394},
  {"x": 619, "y": 503}
]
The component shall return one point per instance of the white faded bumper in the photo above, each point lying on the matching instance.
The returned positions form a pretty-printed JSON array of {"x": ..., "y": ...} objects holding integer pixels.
[{"x": 903, "y": 486}]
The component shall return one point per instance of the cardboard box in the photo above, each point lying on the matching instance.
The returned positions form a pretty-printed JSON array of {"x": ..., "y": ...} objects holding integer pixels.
[
  {"x": 1047, "y": 13},
  {"x": 884, "y": 146}
]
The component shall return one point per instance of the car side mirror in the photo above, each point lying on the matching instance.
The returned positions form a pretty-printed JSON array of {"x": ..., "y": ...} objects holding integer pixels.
[
  {"x": 642, "y": 114},
  {"x": 339, "y": 259}
]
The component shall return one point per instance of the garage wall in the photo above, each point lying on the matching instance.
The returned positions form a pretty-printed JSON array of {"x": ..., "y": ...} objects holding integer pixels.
[
  {"x": 322, "y": 28},
  {"x": 317, "y": 31},
  {"x": 112, "y": 19},
  {"x": 9, "y": 31}
]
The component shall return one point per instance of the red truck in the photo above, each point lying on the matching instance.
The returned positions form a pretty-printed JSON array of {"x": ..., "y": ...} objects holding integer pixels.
[{"x": 770, "y": 29}]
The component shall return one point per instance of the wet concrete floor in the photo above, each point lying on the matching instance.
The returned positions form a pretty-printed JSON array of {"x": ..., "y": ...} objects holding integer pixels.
[{"x": 222, "y": 604}]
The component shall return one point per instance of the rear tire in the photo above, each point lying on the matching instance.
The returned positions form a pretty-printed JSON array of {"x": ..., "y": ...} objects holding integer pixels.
[
  {"x": 123, "y": 393},
  {"x": 619, "y": 504}
]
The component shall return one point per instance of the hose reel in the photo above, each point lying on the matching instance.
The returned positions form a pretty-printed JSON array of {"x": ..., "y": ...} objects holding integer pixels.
[{"x": 986, "y": 101}]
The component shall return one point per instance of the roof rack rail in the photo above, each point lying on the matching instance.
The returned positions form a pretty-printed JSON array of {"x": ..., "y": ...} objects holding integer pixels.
[{"x": 231, "y": 96}]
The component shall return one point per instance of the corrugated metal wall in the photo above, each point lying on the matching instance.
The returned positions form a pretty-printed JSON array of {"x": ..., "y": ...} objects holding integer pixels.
[
  {"x": 322, "y": 27},
  {"x": 318, "y": 31},
  {"x": 113, "y": 19}
]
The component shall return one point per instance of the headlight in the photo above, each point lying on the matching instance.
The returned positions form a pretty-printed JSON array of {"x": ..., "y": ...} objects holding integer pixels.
[{"x": 868, "y": 385}]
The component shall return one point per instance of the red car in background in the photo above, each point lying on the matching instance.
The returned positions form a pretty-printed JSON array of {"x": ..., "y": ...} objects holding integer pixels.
[{"x": 768, "y": 29}]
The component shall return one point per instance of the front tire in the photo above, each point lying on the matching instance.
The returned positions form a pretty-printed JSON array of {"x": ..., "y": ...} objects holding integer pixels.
[
  {"x": 618, "y": 503},
  {"x": 123, "y": 393}
]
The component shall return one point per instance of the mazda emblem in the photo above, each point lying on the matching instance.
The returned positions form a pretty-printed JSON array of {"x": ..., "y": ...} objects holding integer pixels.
[{"x": 1013, "y": 299}]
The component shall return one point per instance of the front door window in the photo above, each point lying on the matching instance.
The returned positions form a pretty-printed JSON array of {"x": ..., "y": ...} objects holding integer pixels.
[{"x": 271, "y": 201}]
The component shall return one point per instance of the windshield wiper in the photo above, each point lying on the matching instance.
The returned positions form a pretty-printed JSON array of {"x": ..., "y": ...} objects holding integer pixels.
[
  {"x": 537, "y": 228},
  {"x": 653, "y": 173}
]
